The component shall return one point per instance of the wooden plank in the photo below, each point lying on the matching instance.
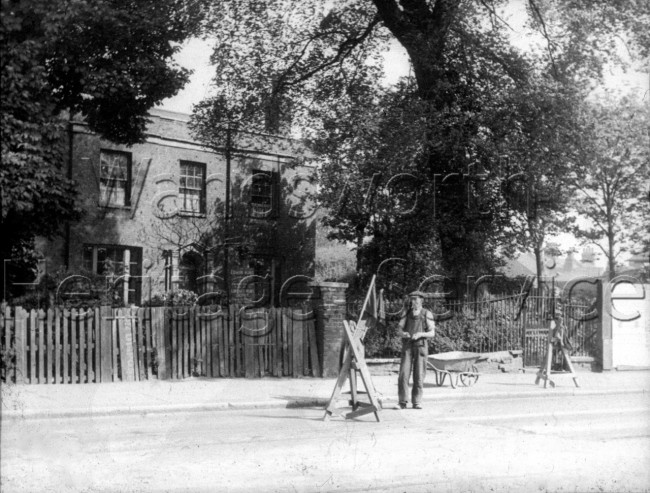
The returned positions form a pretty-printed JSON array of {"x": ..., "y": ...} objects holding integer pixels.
[
  {"x": 49, "y": 330},
  {"x": 226, "y": 352},
  {"x": 340, "y": 381},
  {"x": 65, "y": 350},
  {"x": 278, "y": 343},
  {"x": 83, "y": 331},
  {"x": 159, "y": 342},
  {"x": 209, "y": 322},
  {"x": 221, "y": 340},
  {"x": 285, "y": 348},
  {"x": 235, "y": 363},
  {"x": 297, "y": 327},
  {"x": 74, "y": 322},
  {"x": 5, "y": 312},
  {"x": 196, "y": 350},
  {"x": 258, "y": 348},
  {"x": 274, "y": 342},
  {"x": 199, "y": 322},
  {"x": 181, "y": 347},
  {"x": 150, "y": 342},
  {"x": 192, "y": 340},
  {"x": 313, "y": 348},
  {"x": 167, "y": 344},
  {"x": 187, "y": 368},
  {"x": 125, "y": 327},
  {"x": 58, "y": 356},
  {"x": 117, "y": 372},
  {"x": 182, "y": 353},
  {"x": 219, "y": 348},
  {"x": 179, "y": 350},
  {"x": 205, "y": 348},
  {"x": 173, "y": 325},
  {"x": 40, "y": 339},
  {"x": 93, "y": 353},
  {"x": 20, "y": 336},
  {"x": 261, "y": 349},
  {"x": 199, "y": 350},
  {"x": 33, "y": 320},
  {"x": 305, "y": 345},
  {"x": 282, "y": 338},
  {"x": 357, "y": 352},
  {"x": 105, "y": 343},
  {"x": 249, "y": 350},
  {"x": 200, "y": 342},
  {"x": 139, "y": 344},
  {"x": 133, "y": 349}
]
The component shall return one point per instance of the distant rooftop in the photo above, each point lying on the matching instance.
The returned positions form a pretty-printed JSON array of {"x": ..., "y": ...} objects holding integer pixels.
[{"x": 170, "y": 115}]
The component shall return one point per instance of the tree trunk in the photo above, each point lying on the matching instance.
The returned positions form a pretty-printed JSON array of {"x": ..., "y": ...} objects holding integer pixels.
[
  {"x": 539, "y": 263},
  {"x": 423, "y": 32},
  {"x": 611, "y": 257}
]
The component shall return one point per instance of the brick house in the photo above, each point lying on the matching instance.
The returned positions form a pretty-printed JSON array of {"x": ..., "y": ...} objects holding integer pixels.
[{"x": 154, "y": 213}]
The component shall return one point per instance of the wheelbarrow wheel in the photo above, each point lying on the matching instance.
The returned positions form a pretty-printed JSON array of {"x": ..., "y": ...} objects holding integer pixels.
[{"x": 469, "y": 379}]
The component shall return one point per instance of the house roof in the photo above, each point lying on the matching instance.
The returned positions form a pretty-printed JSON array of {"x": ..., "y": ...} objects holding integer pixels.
[{"x": 563, "y": 269}]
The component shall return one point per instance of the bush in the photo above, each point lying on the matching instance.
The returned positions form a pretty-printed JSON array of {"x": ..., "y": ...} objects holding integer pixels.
[
  {"x": 90, "y": 291},
  {"x": 176, "y": 297}
]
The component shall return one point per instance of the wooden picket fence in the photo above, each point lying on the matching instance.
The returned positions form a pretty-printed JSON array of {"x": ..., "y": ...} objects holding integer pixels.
[
  {"x": 60, "y": 346},
  {"x": 241, "y": 343}
]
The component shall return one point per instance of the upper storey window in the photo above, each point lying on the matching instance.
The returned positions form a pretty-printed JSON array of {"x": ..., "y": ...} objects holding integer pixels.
[
  {"x": 192, "y": 187},
  {"x": 115, "y": 178}
]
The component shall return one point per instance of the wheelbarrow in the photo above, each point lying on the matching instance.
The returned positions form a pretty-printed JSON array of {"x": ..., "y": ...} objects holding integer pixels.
[{"x": 455, "y": 364}]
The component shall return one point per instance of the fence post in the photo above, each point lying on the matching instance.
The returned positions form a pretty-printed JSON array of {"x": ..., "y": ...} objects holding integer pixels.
[
  {"x": 330, "y": 312},
  {"x": 106, "y": 346},
  {"x": 160, "y": 327},
  {"x": 20, "y": 326},
  {"x": 604, "y": 301}
]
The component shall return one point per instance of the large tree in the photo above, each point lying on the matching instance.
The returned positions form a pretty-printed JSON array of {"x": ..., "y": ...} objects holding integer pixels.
[
  {"x": 543, "y": 145},
  {"x": 613, "y": 203},
  {"x": 294, "y": 65},
  {"x": 109, "y": 61}
]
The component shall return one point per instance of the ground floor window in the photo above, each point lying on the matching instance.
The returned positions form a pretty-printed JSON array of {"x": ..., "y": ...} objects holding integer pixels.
[
  {"x": 122, "y": 267},
  {"x": 190, "y": 270}
]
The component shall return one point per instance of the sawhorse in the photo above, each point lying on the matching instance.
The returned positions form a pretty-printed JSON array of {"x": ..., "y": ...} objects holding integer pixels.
[
  {"x": 544, "y": 372},
  {"x": 353, "y": 362}
]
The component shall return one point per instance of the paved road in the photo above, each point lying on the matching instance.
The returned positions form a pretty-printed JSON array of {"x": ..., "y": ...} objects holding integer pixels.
[{"x": 580, "y": 443}]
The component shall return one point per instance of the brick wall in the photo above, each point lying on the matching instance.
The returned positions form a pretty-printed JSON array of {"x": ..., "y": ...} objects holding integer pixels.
[
  {"x": 331, "y": 310},
  {"x": 288, "y": 239}
]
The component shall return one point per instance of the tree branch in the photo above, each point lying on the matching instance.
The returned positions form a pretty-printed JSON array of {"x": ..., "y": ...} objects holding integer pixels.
[
  {"x": 549, "y": 43},
  {"x": 493, "y": 13},
  {"x": 344, "y": 49}
]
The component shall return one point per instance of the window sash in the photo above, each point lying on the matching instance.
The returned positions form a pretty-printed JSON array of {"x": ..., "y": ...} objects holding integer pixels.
[
  {"x": 192, "y": 187},
  {"x": 261, "y": 194},
  {"x": 114, "y": 178}
]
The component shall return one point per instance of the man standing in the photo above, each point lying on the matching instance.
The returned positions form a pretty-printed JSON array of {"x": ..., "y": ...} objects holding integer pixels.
[{"x": 415, "y": 327}]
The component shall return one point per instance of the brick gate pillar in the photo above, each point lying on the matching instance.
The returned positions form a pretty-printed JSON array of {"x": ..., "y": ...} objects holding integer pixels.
[
  {"x": 604, "y": 302},
  {"x": 330, "y": 313}
]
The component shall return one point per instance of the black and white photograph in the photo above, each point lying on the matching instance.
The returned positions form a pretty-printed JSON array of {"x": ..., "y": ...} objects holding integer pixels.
[{"x": 314, "y": 246}]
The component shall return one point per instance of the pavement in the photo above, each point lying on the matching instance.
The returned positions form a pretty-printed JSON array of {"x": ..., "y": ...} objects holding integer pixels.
[{"x": 202, "y": 394}]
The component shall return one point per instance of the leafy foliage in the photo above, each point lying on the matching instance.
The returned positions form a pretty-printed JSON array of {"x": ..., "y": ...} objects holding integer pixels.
[{"x": 613, "y": 200}]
